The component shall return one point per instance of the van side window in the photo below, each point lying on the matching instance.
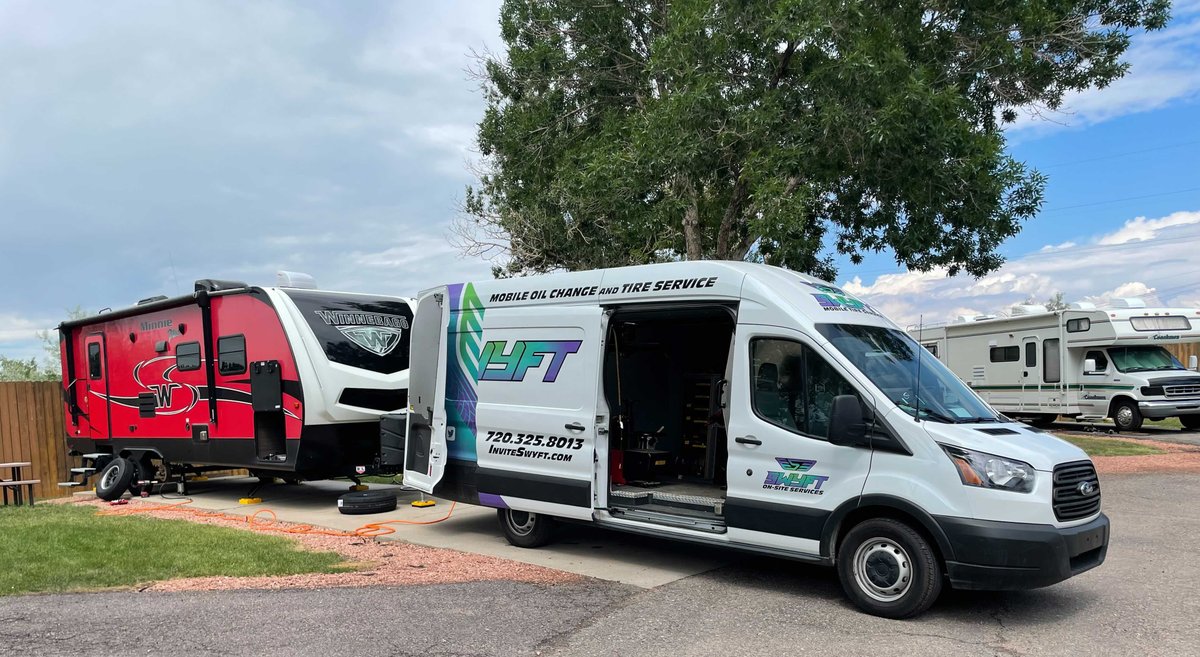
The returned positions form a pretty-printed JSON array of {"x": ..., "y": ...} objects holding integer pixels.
[
  {"x": 1031, "y": 354},
  {"x": 1005, "y": 354},
  {"x": 1051, "y": 370},
  {"x": 231, "y": 354},
  {"x": 1100, "y": 358},
  {"x": 94, "y": 369},
  {"x": 794, "y": 387},
  {"x": 187, "y": 356}
]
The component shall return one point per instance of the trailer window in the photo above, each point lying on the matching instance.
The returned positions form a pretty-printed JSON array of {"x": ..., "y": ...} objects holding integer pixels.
[
  {"x": 231, "y": 354},
  {"x": 187, "y": 356},
  {"x": 1005, "y": 354},
  {"x": 931, "y": 348},
  {"x": 1078, "y": 325},
  {"x": 1051, "y": 370},
  {"x": 94, "y": 370},
  {"x": 1031, "y": 354}
]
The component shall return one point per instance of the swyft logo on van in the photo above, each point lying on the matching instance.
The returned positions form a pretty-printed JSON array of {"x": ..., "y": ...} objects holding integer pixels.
[
  {"x": 832, "y": 298},
  {"x": 500, "y": 362},
  {"x": 795, "y": 478}
]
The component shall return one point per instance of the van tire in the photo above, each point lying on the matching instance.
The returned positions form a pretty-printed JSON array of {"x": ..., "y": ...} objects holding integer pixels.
[
  {"x": 524, "y": 529},
  {"x": 1126, "y": 416},
  {"x": 889, "y": 569},
  {"x": 114, "y": 479},
  {"x": 1190, "y": 422}
]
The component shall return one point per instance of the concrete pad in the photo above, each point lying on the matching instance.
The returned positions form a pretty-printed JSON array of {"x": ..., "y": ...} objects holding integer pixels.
[{"x": 590, "y": 551}]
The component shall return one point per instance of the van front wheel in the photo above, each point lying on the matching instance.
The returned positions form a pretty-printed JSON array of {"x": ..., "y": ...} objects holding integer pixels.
[
  {"x": 525, "y": 529},
  {"x": 1126, "y": 416},
  {"x": 888, "y": 569}
]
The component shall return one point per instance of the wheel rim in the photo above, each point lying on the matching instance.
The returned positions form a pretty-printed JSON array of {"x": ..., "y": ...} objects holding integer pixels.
[
  {"x": 882, "y": 569},
  {"x": 111, "y": 475},
  {"x": 520, "y": 522},
  {"x": 1124, "y": 416}
]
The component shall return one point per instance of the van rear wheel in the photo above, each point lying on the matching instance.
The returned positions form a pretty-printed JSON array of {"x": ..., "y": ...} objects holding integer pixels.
[
  {"x": 525, "y": 529},
  {"x": 888, "y": 569}
]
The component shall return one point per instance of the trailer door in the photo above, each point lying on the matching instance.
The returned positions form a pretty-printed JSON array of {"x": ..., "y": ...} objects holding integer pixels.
[
  {"x": 425, "y": 450},
  {"x": 95, "y": 401}
]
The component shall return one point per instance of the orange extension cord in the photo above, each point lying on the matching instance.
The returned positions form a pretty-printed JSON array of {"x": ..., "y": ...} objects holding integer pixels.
[{"x": 273, "y": 524}]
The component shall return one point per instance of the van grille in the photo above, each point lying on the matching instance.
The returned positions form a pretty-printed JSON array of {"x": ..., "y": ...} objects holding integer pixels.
[
  {"x": 1069, "y": 502},
  {"x": 1182, "y": 391}
]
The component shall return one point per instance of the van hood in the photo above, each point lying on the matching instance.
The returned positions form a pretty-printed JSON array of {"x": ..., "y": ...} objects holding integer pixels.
[
  {"x": 1009, "y": 440},
  {"x": 1170, "y": 377}
]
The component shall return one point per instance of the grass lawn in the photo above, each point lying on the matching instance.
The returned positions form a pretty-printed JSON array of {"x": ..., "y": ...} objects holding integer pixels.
[
  {"x": 52, "y": 547},
  {"x": 1111, "y": 446}
]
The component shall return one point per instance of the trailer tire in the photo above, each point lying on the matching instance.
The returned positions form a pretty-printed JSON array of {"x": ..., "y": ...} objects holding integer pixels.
[
  {"x": 143, "y": 470},
  {"x": 114, "y": 479},
  {"x": 525, "y": 529},
  {"x": 1126, "y": 416},
  {"x": 889, "y": 569},
  {"x": 1190, "y": 422},
  {"x": 368, "y": 501}
]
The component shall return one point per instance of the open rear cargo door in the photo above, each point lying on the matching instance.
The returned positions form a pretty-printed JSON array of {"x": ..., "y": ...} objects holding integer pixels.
[{"x": 425, "y": 445}]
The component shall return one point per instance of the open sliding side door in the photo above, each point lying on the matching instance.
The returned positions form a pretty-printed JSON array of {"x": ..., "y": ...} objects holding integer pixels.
[{"x": 425, "y": 450}]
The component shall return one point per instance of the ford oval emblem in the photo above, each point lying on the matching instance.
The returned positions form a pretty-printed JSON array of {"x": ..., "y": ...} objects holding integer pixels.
[{"x": 1086, "y": 487}]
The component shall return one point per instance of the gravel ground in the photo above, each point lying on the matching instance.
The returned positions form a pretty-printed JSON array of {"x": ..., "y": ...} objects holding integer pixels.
[
  {"x": 1179, "y": 458},
  {"x": 390, "y": 563}
]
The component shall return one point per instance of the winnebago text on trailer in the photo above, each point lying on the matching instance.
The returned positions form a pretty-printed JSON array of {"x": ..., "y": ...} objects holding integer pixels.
[
  {"x": 282, "y": 381},
  {"x": 739, "y": 405},
  {"x": 1083, "y": 362}
]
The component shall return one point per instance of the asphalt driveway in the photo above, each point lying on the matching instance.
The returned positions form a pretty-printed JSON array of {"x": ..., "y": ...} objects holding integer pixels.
[{"x": 1142, "y": 601}]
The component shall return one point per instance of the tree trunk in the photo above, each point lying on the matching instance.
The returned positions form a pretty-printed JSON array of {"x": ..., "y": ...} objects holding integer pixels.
[
  {"x": 691, "y": 222},
  {"x": 725, "y": 243}
]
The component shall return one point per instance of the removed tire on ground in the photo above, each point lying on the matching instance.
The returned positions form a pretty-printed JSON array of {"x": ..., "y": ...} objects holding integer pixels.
[
  {"x": 367, "y": 501},
  {"x": 114, "y": 479}
]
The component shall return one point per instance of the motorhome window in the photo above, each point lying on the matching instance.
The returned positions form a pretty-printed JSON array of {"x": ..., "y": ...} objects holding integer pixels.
[
  {"x": 1163, "y": 323},
  {"x": 187, "y": 356},
  {"x": 1100, "y": 358},
  {"x": 1005, "y": 354},
  {"x": 94, "y": 370},
  {"x": 231, "y": 354},
  {"x": 931, "y": 348},
  {"x": 911, "y": 377},
  {"x": 1078, "y": 325},
  {"x": 1031, "y": 354},
  {"x": 794, "y": 387},
  {"x": 1051, "y": 368},
  {"x": 1143, "y": 359}
]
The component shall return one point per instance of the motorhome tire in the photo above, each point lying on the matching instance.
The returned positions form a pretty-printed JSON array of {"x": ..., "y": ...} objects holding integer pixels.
[
  {"x": 1190, "y": 422},
  {"x": 1043, "y": 421},
  {"x": 367, "y": 501},
  {"x": 889, "y": 569},
  {"x": 114, "y": 479},
  {"x": 524, "y": 529},
  {"x": 1126, "y": 416}
]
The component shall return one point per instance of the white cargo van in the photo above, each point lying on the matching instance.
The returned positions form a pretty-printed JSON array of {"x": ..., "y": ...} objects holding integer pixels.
[
  {"x": 739, "y": 405},
  {"x": 1083, "y": 362}
]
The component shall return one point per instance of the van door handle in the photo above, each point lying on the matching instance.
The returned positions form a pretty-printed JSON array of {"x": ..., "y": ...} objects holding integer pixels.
[
  {"x": 747, "y": 440},
  {"x": 575, "y": 426}
]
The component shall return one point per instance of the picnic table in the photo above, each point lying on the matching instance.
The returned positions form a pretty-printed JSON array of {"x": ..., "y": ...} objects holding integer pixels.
[{"x": 16, "y": 484}]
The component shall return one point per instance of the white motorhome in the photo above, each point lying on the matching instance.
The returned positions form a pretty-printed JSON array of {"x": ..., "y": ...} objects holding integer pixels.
[
  {"x": 739, "y": 405},
  {"x": 1084, "y": 362}
]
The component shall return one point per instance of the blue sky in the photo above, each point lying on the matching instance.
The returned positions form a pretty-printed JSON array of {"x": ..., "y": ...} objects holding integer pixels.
[{"x": 144, "y": 145}]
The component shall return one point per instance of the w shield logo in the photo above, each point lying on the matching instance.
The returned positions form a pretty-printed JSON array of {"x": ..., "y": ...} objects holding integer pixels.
[{"x": 375, "y": 339}]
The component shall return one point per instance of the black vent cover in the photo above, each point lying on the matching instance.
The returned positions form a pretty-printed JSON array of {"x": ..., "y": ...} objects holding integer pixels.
[{"x": 998, "y": 431}]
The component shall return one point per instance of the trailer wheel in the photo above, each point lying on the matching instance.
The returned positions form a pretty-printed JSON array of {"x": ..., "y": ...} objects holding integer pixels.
[
  {"x": 525, "y": 529},
  {"x": 1126, "y": 416},
  {"x": 370, "y": 501},
  {"x": 1190, "y": 422},
  {"x": 143, "y": 470},
  {"x": 114, "y": 479},
  {"x": 888, "y": 569}
]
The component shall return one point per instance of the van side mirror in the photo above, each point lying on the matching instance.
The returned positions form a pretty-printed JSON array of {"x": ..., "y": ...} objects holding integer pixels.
[
  {"x": 1089, "y": 366},
  {"x": 1192, "y": 362},
  {"x": 847, "y": 422}
]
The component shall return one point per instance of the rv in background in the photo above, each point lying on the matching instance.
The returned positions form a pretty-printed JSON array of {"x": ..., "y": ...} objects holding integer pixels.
[
  {"x": 285, "y": 381},
  {"x": 1084, "y": 362},
  {"x": 739, "y": 405}
]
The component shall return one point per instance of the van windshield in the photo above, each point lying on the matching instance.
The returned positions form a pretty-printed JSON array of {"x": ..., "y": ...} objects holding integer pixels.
[
  {"x": 1143, "y": 359},
  {"x": 889, "y": 358}
]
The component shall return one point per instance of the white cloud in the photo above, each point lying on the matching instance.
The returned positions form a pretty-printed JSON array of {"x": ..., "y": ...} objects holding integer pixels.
[{"x": 1151, "y": 258}]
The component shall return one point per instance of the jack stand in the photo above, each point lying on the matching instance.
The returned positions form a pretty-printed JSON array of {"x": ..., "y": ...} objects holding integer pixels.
[
  {"x": 422, "y": 503},
  {"x": 358, "y": 486}
]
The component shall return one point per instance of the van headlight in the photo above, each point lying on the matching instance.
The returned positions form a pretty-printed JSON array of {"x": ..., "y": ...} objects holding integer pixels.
[{"x": 991, "y": 471}]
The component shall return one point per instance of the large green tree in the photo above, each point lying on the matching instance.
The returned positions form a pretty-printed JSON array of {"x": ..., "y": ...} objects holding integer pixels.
[{"x": 624, "y": 132}]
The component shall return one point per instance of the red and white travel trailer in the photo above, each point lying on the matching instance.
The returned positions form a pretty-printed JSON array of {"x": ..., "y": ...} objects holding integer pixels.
[{"x": 283, "y": 381}]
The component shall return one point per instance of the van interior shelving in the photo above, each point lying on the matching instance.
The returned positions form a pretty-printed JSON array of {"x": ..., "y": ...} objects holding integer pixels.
[{"x": 664, "y": 377}]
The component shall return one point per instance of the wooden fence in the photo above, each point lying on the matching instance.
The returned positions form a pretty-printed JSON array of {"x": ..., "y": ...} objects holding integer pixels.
[
  {"x": 31, "y": 429},
  {"x": 1182, "y": 351}
]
